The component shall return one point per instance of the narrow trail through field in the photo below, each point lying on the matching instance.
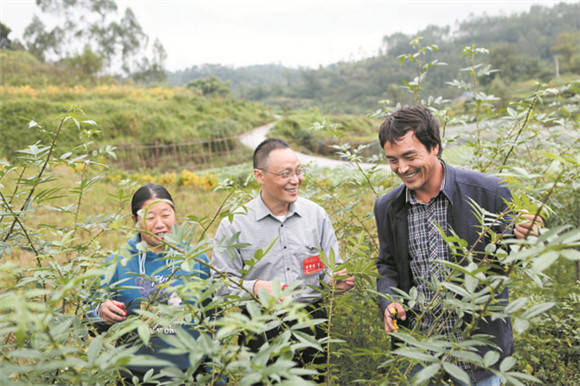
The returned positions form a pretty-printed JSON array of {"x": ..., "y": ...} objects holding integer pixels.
[{"x": 253, "y": 138}]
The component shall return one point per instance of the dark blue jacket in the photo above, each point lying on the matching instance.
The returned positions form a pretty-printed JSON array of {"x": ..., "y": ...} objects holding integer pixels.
[
  {"x": 392, "y": 226},
  {"x": 129, "y": 287}
]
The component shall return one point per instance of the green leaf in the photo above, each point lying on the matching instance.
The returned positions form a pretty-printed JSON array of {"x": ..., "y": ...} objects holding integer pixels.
[
  {"x": 415, "y": 354},
  {"x": 490, "y": 358},
  {"x": 94, "y": 348},
  {"x": 253, "y": 310},
  {"x": 427, "y": 373},
  {"x": 332, "y": 258},
  {"x": 27, "y": 354},
  {"x": 251, "y": 379},
  {"x": 76, "y": 122},
  {"x": 521, "y": 325},
  {"x": 144, "y": 332},
  {"x": 514, "y": 381},
  {"x": 186, "y": 266},
  {"x": 570, "y": 254},
  {"x": 538, "y": 309},
  {"x": 457, "y": 372},
  {"x": 307, "y": 339},
  {"x": 507, "y": 364},
  {"x": 471, "y": 283},
  {"x": 524, "y": 376},
  {"x": 544, "y": 261},
  {"x": 467, "y": 356},
  {"x": 516, "y": 305},
  {"x": 571, "y": 237},
  {"x": 457, "y": 289}
]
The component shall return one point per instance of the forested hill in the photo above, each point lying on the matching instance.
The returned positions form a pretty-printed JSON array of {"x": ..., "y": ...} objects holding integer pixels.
[{"x": 521, "y": 46}]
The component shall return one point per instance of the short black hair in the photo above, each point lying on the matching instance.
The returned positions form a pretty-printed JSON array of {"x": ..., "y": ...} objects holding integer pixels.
[
  {"x": 265, "y": 148},
  {"x": 146, "y": 193},
  {"x": 417, "y": 118}
]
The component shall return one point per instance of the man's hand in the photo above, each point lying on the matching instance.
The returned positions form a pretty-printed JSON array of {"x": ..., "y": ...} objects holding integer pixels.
[
  {"x": 344, "y": 284},
  {"x": 521, "y": 230},
  {"x": 265, "y": 285},
  {"x": 112, "y": 312},
  {"x": 390, "y": 324}
]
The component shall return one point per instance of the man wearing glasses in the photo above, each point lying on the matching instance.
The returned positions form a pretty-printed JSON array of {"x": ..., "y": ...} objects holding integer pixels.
[{"x": 294, "y": 231}]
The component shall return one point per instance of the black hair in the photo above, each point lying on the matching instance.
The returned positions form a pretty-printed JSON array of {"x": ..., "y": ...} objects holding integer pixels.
[
  {"x": 265, "y": 148},
  {"x": 146, "y": 193},
  {"x": 416, "y": 118}
]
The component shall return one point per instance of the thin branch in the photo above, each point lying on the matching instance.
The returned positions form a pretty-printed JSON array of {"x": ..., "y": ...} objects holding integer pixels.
[
  {"x": 17, "y": 221},
  {"x": 524, "y": 124},
  {"x": 52, "y": 146}
]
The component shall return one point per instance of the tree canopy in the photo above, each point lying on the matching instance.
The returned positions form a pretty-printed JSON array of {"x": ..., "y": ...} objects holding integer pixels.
[{"x": 95, "y": 28}]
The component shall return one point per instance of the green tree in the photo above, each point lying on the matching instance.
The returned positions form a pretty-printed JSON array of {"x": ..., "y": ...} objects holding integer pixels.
[
  {"x": 152, "y": 71},
  {"x": 211, "y": 86},
  {"x": 567, "y": 47},
  {"x": 87, "y": 64},
  {"x": 43, "y": 43},
  {"x": 507, "y": 58},
  {"x": 5, "y": 42},
  {"x": 498, "y": 88},
  {"x": 118, "y": 40}
]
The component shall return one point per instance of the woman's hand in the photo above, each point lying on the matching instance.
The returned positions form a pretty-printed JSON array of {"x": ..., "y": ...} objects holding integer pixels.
[{"x": 112, "y": 312}]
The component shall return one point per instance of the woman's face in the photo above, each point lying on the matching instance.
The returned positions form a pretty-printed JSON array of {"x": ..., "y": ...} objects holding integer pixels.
[{"x": 157, "y": 219}]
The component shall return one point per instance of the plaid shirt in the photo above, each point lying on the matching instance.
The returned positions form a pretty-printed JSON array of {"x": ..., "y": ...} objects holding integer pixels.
[{"x": 425, "y": 246}]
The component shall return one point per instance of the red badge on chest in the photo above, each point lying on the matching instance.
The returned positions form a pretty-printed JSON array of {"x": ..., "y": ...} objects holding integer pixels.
[{"x": 312, "y": 265}]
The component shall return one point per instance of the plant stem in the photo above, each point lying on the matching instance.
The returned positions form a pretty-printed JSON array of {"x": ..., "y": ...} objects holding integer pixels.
[
  {"x": 15, "y": 189},
  {"x": 329, "y": 335},
  {"x": 52, "y": 146},
  {"x": 524, "y": 124},
  {"x": 215, "y": 216},
  {"x": 17, "y": 221}
]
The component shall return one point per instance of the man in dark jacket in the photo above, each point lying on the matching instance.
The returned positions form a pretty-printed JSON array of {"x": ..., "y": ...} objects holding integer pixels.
[{"x": 433, "y": 195}]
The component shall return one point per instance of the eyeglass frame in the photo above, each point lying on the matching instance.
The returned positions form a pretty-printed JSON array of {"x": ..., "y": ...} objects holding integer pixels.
[{"x": 287, "y": 174}]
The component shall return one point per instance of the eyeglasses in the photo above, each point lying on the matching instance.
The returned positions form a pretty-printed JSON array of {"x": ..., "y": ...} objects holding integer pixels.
[{"x": 286, "y": 174}]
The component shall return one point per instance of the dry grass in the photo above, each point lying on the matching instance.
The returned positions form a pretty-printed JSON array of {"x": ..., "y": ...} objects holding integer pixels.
[{"x": 46, "y": 223}]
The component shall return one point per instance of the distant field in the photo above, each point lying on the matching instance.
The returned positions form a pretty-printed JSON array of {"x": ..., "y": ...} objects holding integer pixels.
[{"x": 124, "y": 115}]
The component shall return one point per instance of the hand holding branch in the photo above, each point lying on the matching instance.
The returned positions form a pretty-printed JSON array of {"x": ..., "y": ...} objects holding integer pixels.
[
  {"x": 343, "y": 285},
  {"x": 529, "y": 227}
]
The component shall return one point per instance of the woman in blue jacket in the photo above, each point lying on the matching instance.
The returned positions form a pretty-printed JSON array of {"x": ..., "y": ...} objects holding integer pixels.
[{"x": 141, "y": 280}]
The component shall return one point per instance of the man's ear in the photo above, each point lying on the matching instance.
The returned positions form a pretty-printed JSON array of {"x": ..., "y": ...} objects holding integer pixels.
[
  {"x": 259, "y": 175},
  {"x": 435, "y": 150}
]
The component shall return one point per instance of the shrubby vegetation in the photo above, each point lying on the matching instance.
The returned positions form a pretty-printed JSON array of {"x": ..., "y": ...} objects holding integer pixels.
[
  {"x": 63, "y": 209},
  {"x": 46, "y": 338}
]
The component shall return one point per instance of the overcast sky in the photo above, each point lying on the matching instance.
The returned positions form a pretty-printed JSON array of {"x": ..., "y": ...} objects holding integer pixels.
[{"x": 290, "y": 32}]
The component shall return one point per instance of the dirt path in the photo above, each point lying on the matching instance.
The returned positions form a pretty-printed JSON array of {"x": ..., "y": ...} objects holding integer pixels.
[{"x": 253, "y": 138}]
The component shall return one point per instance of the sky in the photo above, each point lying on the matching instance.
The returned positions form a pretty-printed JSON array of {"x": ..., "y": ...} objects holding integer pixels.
[{"x": 296, "y": 33}]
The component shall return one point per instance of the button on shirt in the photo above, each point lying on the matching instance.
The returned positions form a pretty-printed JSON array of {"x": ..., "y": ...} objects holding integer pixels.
[
  {"x": 304, "y": 230},
  {"x": 425, "y": 246}
]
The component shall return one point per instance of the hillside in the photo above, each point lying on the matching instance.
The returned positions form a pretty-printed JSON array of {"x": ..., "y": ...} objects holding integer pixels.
[{"x": 130, "y": 116}]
